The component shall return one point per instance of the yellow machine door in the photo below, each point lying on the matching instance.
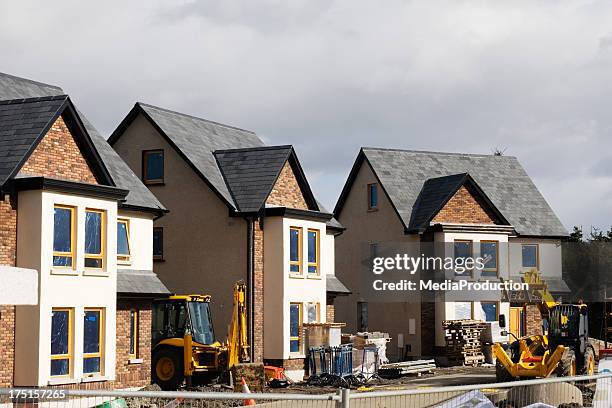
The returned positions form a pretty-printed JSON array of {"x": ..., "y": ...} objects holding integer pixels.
[{"x": 516, "y": 321}]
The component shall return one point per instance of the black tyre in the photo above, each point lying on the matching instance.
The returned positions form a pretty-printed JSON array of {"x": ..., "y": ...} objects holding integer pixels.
[
  {"x": 502, "y": 374},
  {"x": 167, "y": 369},
  {"x": 588, "y": 366},
  {"x": 567, "y": 365}
]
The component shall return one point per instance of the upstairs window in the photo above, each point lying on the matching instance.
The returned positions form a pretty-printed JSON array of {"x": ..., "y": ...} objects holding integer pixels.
[
  {"x": 123, "y": 240},
  {"x": 489, "y": 250},
  {"x": 94, "y": 239},
  {"x": 462, "y": 250},
  {"x": 63, "y": 236},
  {"x": 158, "y": 243},
  {"x": 153, "y": 166},
  {"x": 530, "y": 256},
  {"x": 313, "y": 251},
  {"x": 295, "y": 250},
  {"x": 372, "y": 196}
]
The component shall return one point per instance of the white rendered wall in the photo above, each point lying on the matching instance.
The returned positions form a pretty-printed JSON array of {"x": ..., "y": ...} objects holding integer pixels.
[{"x": 141, "y": 241}]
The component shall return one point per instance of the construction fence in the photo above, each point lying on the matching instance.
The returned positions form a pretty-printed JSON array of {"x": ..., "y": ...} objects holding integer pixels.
[{"x": 570, "y": 392}]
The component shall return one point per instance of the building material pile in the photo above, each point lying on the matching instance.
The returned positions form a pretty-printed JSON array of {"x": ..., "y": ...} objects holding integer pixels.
[
  {"x": 394, "y": 370},
  {"x": 463, "y": 345}
]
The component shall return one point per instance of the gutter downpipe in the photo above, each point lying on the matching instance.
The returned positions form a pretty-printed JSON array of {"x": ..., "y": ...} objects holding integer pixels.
[{"x": 250, "y": 290}]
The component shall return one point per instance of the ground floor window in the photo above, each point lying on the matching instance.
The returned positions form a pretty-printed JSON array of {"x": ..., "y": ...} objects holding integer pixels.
[
  {"x": 133, "y": 333},
  {"x": 93, "y": 331},
  {"x": 61, "y": 342},
  {"x": 490, "y": 311},
  {"x": 295, "y": 322},
  {"x": 313, "y": 312},
  {"x": 362, "y": 316}
]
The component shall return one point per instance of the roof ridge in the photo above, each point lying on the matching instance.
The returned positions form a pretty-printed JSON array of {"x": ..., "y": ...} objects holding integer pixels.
[
  {"x": 34, "y": 99},
  {"x": 251, "y": 149},
  {"x": 194, "y": 117},
  {"x": 432, "y": 152},
  {"x": 31, "y": 81}
]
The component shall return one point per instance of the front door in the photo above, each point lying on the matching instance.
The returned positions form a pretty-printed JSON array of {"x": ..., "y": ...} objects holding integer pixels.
[{"x": 516, "y": 321}]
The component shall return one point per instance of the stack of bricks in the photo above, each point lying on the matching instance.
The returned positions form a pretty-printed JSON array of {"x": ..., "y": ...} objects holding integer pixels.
[
  {"x": 58, "y": 156},
  {"x": 465, "y": 208},
  {"x": 533, "y": 320},
  {"x": 133, "y": 371}
]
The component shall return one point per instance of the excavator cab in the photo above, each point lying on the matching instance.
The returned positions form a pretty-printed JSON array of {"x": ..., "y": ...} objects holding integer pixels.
[{"x": 178, "y": 315}]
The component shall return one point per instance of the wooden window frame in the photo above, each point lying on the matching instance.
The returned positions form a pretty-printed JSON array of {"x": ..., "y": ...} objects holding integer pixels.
[
  {"x": 73, "y": 231},
  {"x": 102, "y": 255},
  {"x": 300, "y": 238},
  {"x": 145, "y": 158},
  {"x": 496, "y": 269},
  {"x": 101, "y": 336},
  {"x": 471, "y": 242},
  {"x": 301, "y": 323},
  {"x": 122, "y": 258},
  {"x": 492, "y": 302},
  {"x": 159, "y": 257},
  {"x": 317, "y": 263},
  {"x": 537, "y": 247},
  {"x": 370, "y": 206},
  {"x": 135, "y": 321},
  {"x": 70, "y": 355}
]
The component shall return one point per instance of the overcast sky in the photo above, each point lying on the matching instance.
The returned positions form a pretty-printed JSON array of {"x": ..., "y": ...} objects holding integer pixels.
[{"x": 533, "y": 78}]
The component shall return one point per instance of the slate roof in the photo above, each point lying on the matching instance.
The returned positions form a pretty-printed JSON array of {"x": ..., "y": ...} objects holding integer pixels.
[
  {"x": 333, "y": 285},
  {"x": 22, "y": 122},
  {"x": 435, "y": 194},
  {"x": 195, "y": 139},
  {"x": 140, "y": 282},
  {"x": 139, "y": 196},
  {"x": 402, "y": 174}
]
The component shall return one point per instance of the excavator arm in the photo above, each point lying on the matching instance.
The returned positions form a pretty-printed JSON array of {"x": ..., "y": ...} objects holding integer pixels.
[{"x": 237, "y": 343}]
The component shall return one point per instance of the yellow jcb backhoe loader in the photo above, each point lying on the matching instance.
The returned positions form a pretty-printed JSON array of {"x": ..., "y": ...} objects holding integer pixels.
[
  {"x": 183, "y": 339},
  {"x": 564, "y": 351}
]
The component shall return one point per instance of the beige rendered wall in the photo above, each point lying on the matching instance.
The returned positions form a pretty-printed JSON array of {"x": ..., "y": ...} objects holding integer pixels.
[
  {"x": 204, "y": 248},
  {"x": 364, "y": 227},
  {"x": 141, "y": 241},
  {"x": 549, "y": 255}
]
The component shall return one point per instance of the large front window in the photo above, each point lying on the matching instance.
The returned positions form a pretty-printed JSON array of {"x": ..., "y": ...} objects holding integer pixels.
[
  {"x": 490, "y": 311},
  {"x": 63, "y": 236},
  {"x": 94, "y": 239},
  {"x": 295, "y": 250},
  {"x": 313, "y": 251},
  {"x": 295, "y": 321},
  {"x": 61, "y": 342},
  {"x": 92, "y": 341}
]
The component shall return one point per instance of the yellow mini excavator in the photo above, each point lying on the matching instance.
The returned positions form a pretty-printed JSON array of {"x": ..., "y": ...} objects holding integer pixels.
[
  {"x": 564, "y": 351},
  {"x": 183, "y": 339}
]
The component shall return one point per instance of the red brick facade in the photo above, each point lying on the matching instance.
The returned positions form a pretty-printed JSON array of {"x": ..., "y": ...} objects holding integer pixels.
[
  {"x": 286, "y": 191},
  {"x": 465, "y": 207},
  {"x": 58, "y": 156},
  {"x": 8, "y": 231},
  {"x": 258, "y": 293},
  {"x": 129, "y": 371},
  {"x": 7, "y": 345}
]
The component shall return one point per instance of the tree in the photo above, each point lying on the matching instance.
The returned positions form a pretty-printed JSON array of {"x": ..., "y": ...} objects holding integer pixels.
[{"x": 576, "y": 235}]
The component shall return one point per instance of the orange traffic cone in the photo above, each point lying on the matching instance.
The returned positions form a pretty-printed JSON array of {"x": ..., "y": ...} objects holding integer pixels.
[{"x": 245, "y": 389}]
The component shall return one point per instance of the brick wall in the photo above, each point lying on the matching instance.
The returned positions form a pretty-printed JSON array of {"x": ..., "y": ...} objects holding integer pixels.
[
  {"x": 533, "y": 320},
  {"x": 58, "y": 156},
  {"x": 7, "y": 345},
  {"x": 286, "y": 191},
  {"x": 465, "y": 207},
  {"x": 258, "y": 293},
  {"x": 8, "y": 248},
  {"x": 8, "y": 231},
  {"x": 133, "y": 375},
  {"x": 330, "y": 313}
]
